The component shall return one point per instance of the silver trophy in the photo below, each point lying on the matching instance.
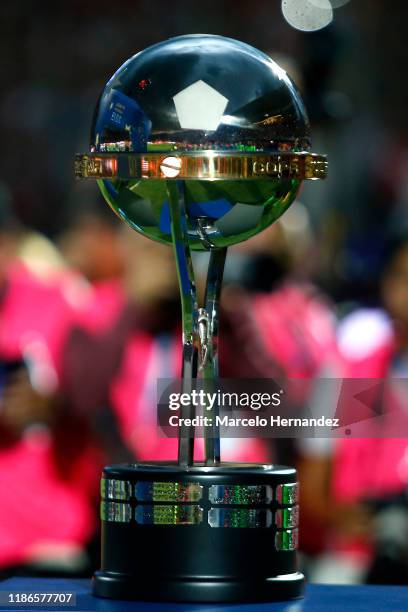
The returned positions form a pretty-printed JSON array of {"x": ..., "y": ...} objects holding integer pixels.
[{"x": 199, "y": 142}]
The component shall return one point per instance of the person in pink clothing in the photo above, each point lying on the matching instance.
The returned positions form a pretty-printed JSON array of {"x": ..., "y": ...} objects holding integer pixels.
[
  {"x": 292, "y": 317},
  {"x": 92, "y": 249},
  {"x": 48, "y": 466},
  {"x": 346, "y": 481}
]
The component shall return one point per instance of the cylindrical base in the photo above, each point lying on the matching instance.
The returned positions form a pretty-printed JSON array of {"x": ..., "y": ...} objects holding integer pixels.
[{"x": 200, "y": 534}]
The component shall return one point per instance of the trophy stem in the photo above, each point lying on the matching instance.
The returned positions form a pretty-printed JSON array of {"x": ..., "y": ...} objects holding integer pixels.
[
  {"x": 189, "y": 311},
  {"x": 200, "y": 327},
  {"x": 209, "y": 364}
]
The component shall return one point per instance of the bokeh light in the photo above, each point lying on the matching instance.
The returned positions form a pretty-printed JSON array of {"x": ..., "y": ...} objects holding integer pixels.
[
  {"x": 307, "y": 16},
  {"x": 323, "y": 3}
]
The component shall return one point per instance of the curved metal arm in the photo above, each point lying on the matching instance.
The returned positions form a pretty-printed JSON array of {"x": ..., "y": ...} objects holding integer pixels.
[
  {"x": 189, "y": 310},
  {"x": 200, "y": 326},
  {"x": 209, "y": 365}
]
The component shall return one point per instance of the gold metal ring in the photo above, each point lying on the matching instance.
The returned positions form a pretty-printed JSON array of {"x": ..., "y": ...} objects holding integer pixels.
[{"x": 207, "y": 165}]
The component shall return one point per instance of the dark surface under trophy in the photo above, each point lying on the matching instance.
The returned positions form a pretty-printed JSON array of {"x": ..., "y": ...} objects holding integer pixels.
[{"x": 199, "y": 142}]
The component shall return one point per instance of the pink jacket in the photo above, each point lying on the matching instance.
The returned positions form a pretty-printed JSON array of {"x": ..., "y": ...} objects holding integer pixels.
[
  {"x": 369, "y": 467},
  {"x": 47, "y": 478}
]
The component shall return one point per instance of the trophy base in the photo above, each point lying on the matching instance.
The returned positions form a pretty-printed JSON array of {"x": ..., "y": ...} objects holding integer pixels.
[
  {"x": 279, "y": 588},
  {"x": 226, "y": 533}
]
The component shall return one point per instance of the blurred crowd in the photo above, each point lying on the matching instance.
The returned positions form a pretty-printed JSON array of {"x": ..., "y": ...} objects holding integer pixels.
[{"x": 89, "y": 310}]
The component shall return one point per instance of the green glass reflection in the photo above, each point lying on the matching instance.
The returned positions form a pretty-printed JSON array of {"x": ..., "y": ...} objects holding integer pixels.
[
  {"x": 114, "y": 512},
  {"x": 287, "y": 540},
  {"x": 287, "y": 493},
  {"x": 115, "y": 489},
  {"x": 168, "y": 491},
  {"x": 239, "y": 518},
  {"x": 240, "y": 494},
  {"x": 229, "y": 211},
  {"x": 168, "y": 515},
  {"x": 287, "y": 518}
]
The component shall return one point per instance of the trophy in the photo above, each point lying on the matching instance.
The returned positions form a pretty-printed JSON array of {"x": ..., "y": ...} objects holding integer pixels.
[{"x": 199, "y": 142}]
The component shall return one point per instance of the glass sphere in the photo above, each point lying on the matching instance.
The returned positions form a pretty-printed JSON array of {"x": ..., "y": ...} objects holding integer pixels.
[{"x": 198, "y": 94}]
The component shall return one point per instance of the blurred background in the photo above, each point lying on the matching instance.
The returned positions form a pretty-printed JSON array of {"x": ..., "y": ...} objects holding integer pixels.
[{"x": 89, "y": 311}]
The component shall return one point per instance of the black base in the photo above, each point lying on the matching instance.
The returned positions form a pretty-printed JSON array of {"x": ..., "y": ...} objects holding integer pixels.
[
  {"x": 114, "y": 586},
  {"x": 199, "y": 534}
]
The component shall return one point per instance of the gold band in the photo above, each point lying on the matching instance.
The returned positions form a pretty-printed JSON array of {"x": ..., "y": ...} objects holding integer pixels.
[{"x": 208, "y": 165}]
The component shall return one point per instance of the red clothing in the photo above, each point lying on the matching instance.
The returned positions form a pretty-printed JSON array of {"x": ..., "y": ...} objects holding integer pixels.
[{"x": 47, "y": 478}]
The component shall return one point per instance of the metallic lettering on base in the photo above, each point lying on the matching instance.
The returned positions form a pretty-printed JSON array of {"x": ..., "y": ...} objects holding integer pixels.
[
  {"x": 114, "y": 512},
  {"x": 240, "y": 494},
  {"x": 168, "y": 515},
  {"x": 287, "y": 540},
  {"x": 168, "y": 491},
  {"x": 287, "y": 494},
  {"x": 239, "y": 517},
  {"x": 287, "y": 518},
  {"x": 115, "y": 489}
]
